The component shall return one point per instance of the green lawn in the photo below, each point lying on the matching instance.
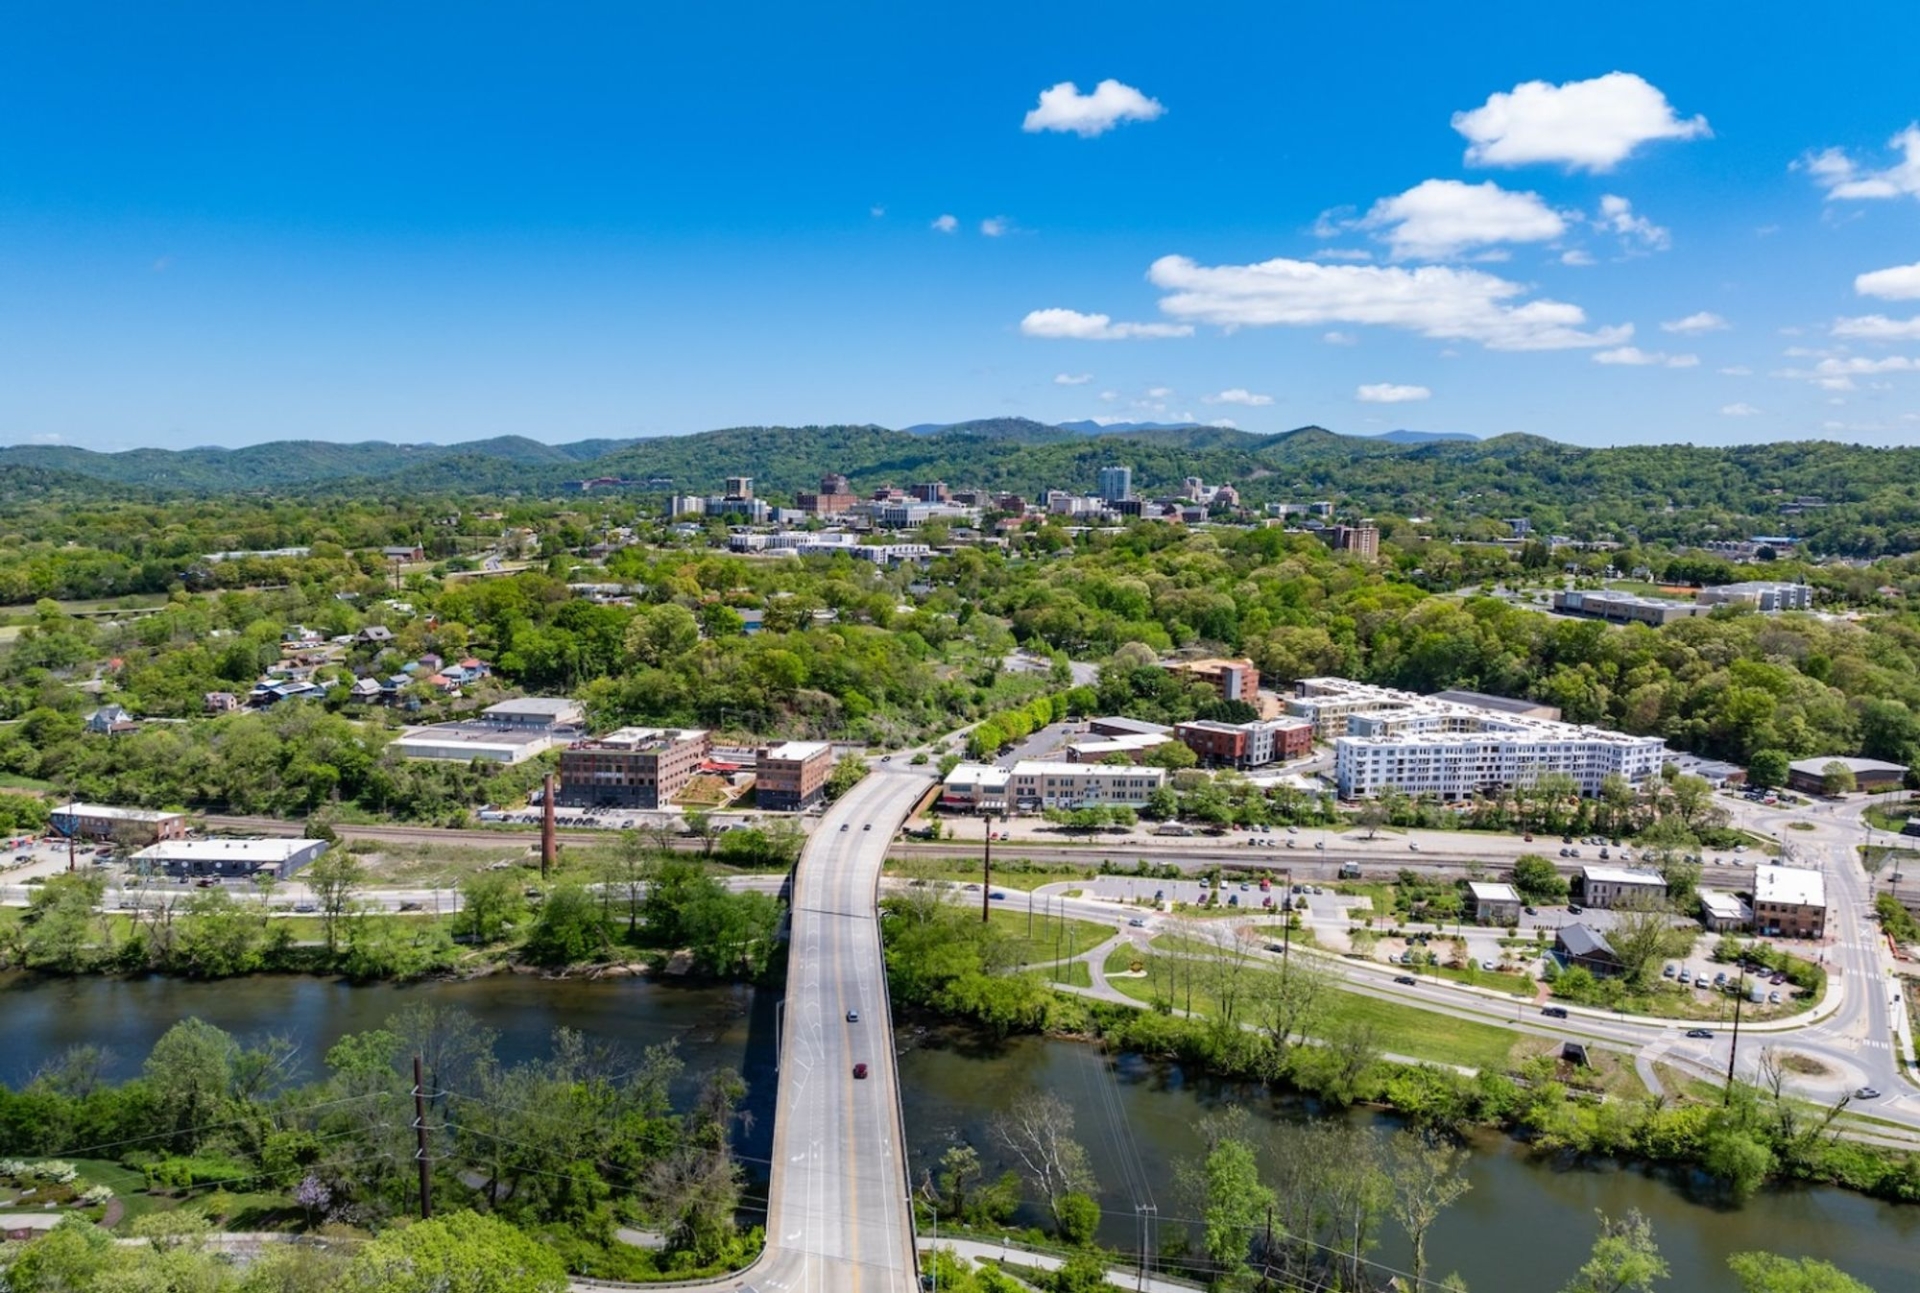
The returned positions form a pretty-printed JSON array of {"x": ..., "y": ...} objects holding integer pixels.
[
  {"x": 1020, "y": 878},
  {"x": 1403, "y": 1030},
  {"x": 1051, "y": 938},
  {"x": 1517, "y": 985}
]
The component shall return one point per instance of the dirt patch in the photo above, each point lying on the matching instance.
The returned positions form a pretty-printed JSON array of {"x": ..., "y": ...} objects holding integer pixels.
[{"x": 1804, "y": 1065}]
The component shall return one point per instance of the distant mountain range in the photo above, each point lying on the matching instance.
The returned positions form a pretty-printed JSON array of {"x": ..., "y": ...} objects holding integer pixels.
[{"x": 1087, "y": 426}]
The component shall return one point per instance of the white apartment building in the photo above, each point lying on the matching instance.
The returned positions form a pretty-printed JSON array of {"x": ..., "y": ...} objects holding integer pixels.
[
  {"x": 1425, "y": 746},
  {"x": 1763, "y": 595},
  {"x": 1039, "y": 784}
]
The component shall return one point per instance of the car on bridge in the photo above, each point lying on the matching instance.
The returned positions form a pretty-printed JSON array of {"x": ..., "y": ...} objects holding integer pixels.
[
  {"x": 853, "y": 1016},
  {"x": 860, "y": 1070}
]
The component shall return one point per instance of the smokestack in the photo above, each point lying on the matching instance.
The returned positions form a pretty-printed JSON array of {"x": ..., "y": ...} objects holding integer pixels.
[{"x": 547, "y": 844}]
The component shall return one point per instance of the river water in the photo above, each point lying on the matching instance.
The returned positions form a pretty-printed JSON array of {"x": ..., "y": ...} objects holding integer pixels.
[{"x": 1524, "y": 1226}]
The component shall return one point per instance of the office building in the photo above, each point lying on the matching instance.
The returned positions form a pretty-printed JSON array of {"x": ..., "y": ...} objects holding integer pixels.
[
  {"x": 1621, "y": 886},
  {"x": 976, "y": 787},
  {"x": 635, "y": 767},
  {"x": 123, "y": 825},
  {"x": 1790, "y": 902},
  {"x": 1116, "y": 484},
  {"x": 1040, "y": 784},
  {"x": 1723, "y": 913},
  {"x": 791, "y": 777},
  {"x": 739, "y": 487},
  {"x": 1494, "y": 904}
]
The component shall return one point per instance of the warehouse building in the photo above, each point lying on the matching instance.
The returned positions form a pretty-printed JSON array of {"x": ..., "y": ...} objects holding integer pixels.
[{"x": 228, "y": 859}]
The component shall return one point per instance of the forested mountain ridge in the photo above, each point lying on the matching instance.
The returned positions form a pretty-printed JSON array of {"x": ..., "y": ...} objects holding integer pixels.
[{"x": 1858, "y": 500}]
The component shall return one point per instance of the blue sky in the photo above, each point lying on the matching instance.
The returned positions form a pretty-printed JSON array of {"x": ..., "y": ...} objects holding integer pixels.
[{"x": 227, "y": 224}]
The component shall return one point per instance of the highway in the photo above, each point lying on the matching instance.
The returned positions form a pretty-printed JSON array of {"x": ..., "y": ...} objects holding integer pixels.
[{"x": 838, "y": 1214}]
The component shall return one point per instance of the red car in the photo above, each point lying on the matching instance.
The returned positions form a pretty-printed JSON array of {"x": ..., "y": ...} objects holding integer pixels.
[{"x": 859, "y": 1070}]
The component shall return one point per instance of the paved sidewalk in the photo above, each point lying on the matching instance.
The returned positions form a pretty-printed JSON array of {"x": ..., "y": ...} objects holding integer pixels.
[{"x": 1126, "y": 1277}]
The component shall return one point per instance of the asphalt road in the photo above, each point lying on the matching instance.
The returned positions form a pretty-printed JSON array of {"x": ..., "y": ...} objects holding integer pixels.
[{"x": 838, "y": 1217}]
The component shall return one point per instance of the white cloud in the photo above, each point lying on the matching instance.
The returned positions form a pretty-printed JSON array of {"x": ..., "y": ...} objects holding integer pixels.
[
  {"x": 1390, "y": 393},
  {"x": 1109, "y": 396},
  {"x": 1227, "y": 423},
  {"x": 1637, "y": 233},
  {"x": 1589, "y": 125},
  {"x": 1878, "y": 327},
  {"x": 1836, "y": 374},
  {"x": 1433, "y": 300},
  {"x": 946, "y": 224},
  {"x": 1340, "y": 253},
  {"x": 1446, "y": 217},
  {"x": 994, "y": 226},
  {"x": 1072, "y": 379},
  {"x": 1704, "y": 321},
  {"x": 1238, "y": 395},
  {"x": 1159, "y": 392},
  {"x": 1064, "y": 108},
  {"x": 1074, "y": 326},
  {"x": 1845, "y": 179},
  {"x": 1337, "y": 338},
  {"x": 1738, "y": 370},
  {"x": 1576, "y": 258},
  {"x": 876, "y": 212},
  {"x": 1899, "y": 283},
  {"x": 1635, "y": 357},
  {"x": 1739, "y": 410}
]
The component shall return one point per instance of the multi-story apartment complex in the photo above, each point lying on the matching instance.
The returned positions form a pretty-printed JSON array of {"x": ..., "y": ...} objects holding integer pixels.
[
  {"x": 1039, "y": 784},
  {"x": 792, "y": 777},
  {"x": 1247, "y": 745},
  {"x": 1422, "y": 745},
  {"x": 1233, "y": 679},
  {"x": 635, "y": 767},
  {"x": 1116, "y": 484},
  {"x": 1361, "y": 540},
  {"x": 1789, "y": 900},
  {"x": 1765, "y": 596}
]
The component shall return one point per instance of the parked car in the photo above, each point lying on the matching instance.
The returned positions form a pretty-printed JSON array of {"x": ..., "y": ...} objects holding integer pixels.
[
  {"x": 1773, "y": 998},
  {"x": 1137, "y": 923},
  {"x": 1574, "y": 909},
  {"x": 1866, "y": 1093},
  {"x": 1669, "y": 972},
  {"x": 1532, "y": 911}
]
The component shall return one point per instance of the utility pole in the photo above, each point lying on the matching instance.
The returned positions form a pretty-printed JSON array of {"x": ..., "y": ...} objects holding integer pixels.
[
  {"x": 1733, "y": 1051},
  {"x": 986, "y": 872},
  {"x": 420, "y": 1141},
  {"x": 1286, "y": 923}
]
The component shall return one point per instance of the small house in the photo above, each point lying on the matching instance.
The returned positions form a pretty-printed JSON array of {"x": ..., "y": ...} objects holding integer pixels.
[{"x": 1587, "y": 948}]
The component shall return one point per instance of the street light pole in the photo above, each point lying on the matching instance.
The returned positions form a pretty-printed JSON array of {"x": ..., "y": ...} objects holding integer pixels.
[
  {"x": 986, "y": 871},
  {"x": 1733, "y": 1051}
]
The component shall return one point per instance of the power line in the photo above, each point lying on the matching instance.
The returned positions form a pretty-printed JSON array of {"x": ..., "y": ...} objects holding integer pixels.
[{"x": 88, "y": 1150}]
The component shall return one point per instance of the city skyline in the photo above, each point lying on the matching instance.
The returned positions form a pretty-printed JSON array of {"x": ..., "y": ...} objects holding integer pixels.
[{"x": 233, "y": 227}]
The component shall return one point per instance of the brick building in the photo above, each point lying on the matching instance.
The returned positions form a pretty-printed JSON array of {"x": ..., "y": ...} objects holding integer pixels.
[
  {"x": 792, "y": 776},
  {"x": 1247, "y": 745},
  {"x": 635, "y": 767}
]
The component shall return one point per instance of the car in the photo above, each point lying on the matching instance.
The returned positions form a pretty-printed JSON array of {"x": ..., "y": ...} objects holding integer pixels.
[
  {"x": 1669, "y": 972},
  {"x": 411, "y": 906},
  {"x": 998, "y": 895},
  {"x": 1293, "y": 830},
  {"x": 1686, "y": 977},
  {"x": 886, "y": 758},
  {"x": 1253, "y": 844},
  {"x": 853, "y": 1016},
  {"x": 1566, "y": 839},
  {"x": 1778, "y": 978},
  {"x": 1574, "y": 909},
  {"x": 1407, "y": 979},
  {"x": 207, "y": 883},
  {"x": 1719, "y": 979},
  {"x": 1233, "y": 900},
  {"x": 1532, "y": 911},
  {"x": 1739, "y": 848},
  {"x": 305, "y": 908},
  {"x": 1700, "y": 1034},
  {"x": 844, "y": 825},
  {"x": 1866, "y": 1093},
  {"x": 1137, "y": 923},
  {"x": 1320, "y": 844},
  {"x": 1414, "y": 845},
  {"x": 1566, "y": 853},
  {"x": 867, "y": 827},
  {"x": 860, "y": 1070},
  {"x": 1289, "y": 843},
  {"x": 1159, "y": 895},
  {"x": 973, "y": 888},
  {"x": 1489, "y": 965},
  {"x": 1554, "y": 1012},
  {"x": 1773, "y": 998},
  {"x": 1528, "y": 838},
  {"x": 1244, "y": 886}
]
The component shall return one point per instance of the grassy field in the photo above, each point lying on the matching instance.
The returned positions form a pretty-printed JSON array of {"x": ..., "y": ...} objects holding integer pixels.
[
  {"x": 1051, "y": 938},
  {"x": 1402, "y": 1030},
  {"x": 1515, "y": 985},
  {"x": 1022, "y": 878}
]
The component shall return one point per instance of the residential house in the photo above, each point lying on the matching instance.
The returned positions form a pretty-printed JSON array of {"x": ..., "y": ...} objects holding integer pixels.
[
  {"x": 111, "y": 720},
  {"x": 220, "y": 702},
  {"x": 374, "y": 635}
]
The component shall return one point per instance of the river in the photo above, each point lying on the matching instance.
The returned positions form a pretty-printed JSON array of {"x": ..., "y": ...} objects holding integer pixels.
[{"x": 1525, "y": 1225}]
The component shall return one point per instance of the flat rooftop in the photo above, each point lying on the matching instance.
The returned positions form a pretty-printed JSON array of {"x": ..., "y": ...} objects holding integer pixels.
[
  {"x": 111, "y": 813},
  {"x": 279, "y": 850},
  {"x": 1790, "y": 885},
  {"x": 542, "y": 706},
  {"x": 795, "y": 751},
  {"x": 471, "y": 733},
  {"x": 641, "y": 738},
  {"x": 1623, "y": 875},
  {"x": 1489, "y": 891}
]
